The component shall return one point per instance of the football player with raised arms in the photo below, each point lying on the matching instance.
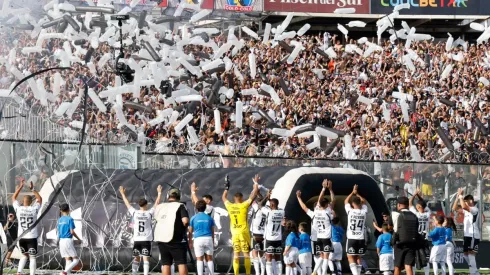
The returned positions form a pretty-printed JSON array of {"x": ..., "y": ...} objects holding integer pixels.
[
  {"x": 423, "y": 214},
  {"x": 258, "y": 227},
  {"x": 142, "y": 229},
  {"x": 356, "y": 209},
  {"x": 274, "y": 222}
]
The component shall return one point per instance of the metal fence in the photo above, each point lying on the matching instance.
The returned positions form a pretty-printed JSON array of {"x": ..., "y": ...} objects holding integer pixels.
[{"x": 438, "y": 181}]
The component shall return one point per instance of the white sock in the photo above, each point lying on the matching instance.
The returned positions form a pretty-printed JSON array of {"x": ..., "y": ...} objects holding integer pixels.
[
  {"x": 135, "y": 267},
  {"x": 256, "y": 266},
  {"x": 32, "y": 264},
  {"x": 303, "y": 269},
  {"x": 274, "y": 267},
  {"x": 278, "y": 268},
  {"x": 339, "y": 266},
  {"x": 359, "y": 269},
  {"x": 467, "y": 259},
  {"x": 386, "y": 273},
  {"x": 146, "y": 267},
  {"x": 210, "y": 265},
  {"x": 308, "y": 271},
  {"x": 325, "y": 267},
  {"x": 262, "y": 265},
  {"x": 67, "y": 264},
  {"x": 443, "y": 268},
  {"x": 72, "y": 265},
  {"x": 172, "y": 269},
  {"x": 427, "y": 269},
  {"x": 330, "y": 265},
  {"x": 450, "y": 267},
  {"x": 473, "y": 268},
  {"x": 295, "y": 270},
  {"x": 435, "y": 268},
  {"x": 22, "y": 263},
  {"x": 353, "y": 269},
  {"x": 200, "y": 267},
  {"x": 268, "y": 268},
  {"x": 288, "y": 270},
  {"x": 318, "y": 265}
]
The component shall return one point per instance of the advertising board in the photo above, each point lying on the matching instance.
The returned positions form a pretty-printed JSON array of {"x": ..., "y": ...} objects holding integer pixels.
[
  {"x": 316, "y": 6},
  {"x": 205, "y": 4},
  {"x": 239, "y": 5},
  {"x": 433, "y": 7}
]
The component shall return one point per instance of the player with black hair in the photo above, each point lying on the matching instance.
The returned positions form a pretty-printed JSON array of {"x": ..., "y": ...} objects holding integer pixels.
[
  {"x": 274, "y": 222},
  {"x": 142, "y": 229},
  {"x": 356, "y": 209},
  {"x": 423, "y": 214},
  {"x": 471, "y": 228}
]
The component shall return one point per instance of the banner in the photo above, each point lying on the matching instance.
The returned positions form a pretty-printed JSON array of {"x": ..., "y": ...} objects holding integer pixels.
[
  {"x": 239, "y": 5},
  {"x": 127, "y": 157},
  {"x": 205, "y": 4},
  {"x": 433, "y": 7},
  {"x": 316, "y": 6}
]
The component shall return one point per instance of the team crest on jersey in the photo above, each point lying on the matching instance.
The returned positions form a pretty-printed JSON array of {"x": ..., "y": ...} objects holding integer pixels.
[
  {"x": 136, "y": 252},
  {"x": 351, "y": 250},
  {"x": 257, "y": 246},
  {"x": 145, "y": 252},
  {"x": 327, "y": 248},
  {"x": 32, "y": 251}
]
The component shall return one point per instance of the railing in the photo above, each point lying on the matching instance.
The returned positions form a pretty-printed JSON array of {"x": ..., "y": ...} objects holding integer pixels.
[{"x": 438, "y": 181}]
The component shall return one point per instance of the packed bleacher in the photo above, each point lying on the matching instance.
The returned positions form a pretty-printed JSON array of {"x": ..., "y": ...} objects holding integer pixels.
[{"x": 321, "y": 90}]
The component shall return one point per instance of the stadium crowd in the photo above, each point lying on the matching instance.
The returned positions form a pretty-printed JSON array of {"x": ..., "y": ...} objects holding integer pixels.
[{"x": 326, "y": 98}]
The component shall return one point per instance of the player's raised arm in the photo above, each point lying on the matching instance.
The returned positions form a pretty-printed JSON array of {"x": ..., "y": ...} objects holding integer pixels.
[
  {"x": 224, "y": 197},
  {"x": 464, "y": 205},
  {"x": 300, "y": 201},
  {"x": 255, "y": 190},
  {"x": 332, "y": 195},
  {"x": 159, "y": 196},
  {"x": 17, "y": 191},
  {"x": 122, "y": 190},
  {"x": 354, "y": 192},
  {"x": 322, "y": 193},
  {"x": 36, "y": 194},
  {"x": 456, "y": 201},
  {"x": 194, "y": 197}
]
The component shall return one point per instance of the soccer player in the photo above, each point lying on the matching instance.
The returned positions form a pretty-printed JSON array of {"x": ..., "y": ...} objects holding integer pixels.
[
  {"x": 450, "y": 228},
  {"x": 239, "y": 226},
  {"x": 423, "y": 215},
  {"x": 27, "y": 216},
  {"x": 305, "y": 251},
  {"x": 208, "y": 199},
  {"x": 275, "y": 220},
  {"x": 321, "y": 226},
  {"x": 291, "y": 248},
  {"x": 201, "y": 228},
  {"x": 66, "y": 232},
  {"x": 337, "y": 237},
  {"x": 356, "y": 210},
  {"x": 258, "y": 228},
  {"x": 471, "y": 228},
  {"x": 142, "y": 229},
  {"x": 438, "y": 251},
  {"x": 385, "y": 251}
]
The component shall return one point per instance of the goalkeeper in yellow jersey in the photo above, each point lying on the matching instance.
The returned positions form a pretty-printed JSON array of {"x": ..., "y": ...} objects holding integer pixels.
[{"x": 240, "y": 231}]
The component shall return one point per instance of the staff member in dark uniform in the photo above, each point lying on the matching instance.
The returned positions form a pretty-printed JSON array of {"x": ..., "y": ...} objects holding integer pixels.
[
  {"x": 10, "y": 229},
  {"x": 171, "y": 240},
  {"x": 405, "y": 237}
]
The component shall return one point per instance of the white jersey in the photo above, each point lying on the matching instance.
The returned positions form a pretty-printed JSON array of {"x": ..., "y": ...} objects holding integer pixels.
[
  {"x": 356, "y": 222},
  {"x": 209, "y": 210},
  {"x": 273, "y": 224},
  {"x": 258, "y": 220},
  {"x": 142, "y": 224},
  {"x": 321, "y": 222},
  {"x": 471, "y": 224},
  {"x": 424, "y": 220},
  {"x": 27, "y": 216}
]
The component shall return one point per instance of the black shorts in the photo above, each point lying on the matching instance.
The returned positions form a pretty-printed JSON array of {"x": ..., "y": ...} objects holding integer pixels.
[
  {"x": 273, "y": 247},
  {"x": 325, "y": 245},
  {"x": 404, "y": 255},
  {"x": 173, "y": 253},
  {"x": 355, "y": 247},
  {"x": 258, "y": 242},
  {"x": 317, "y": 248},
  {"x": 470, "y": 244},
  {"x": 142, "y": 248},
  {"x": 28, "y": 246}
]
